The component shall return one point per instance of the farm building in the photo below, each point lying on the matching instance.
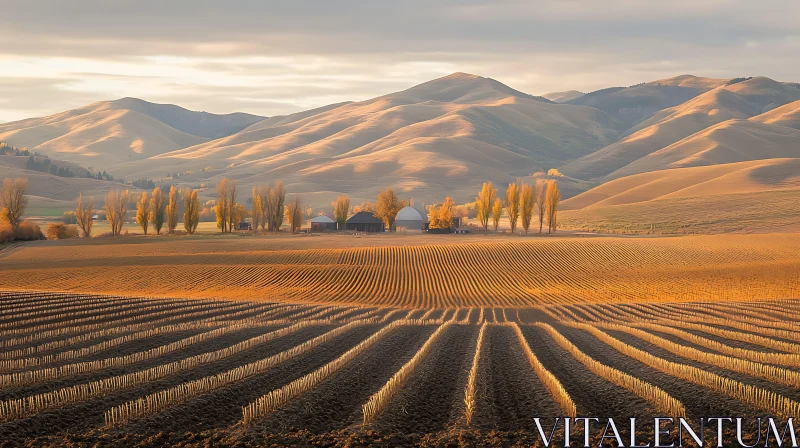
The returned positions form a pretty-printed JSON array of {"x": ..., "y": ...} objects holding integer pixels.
[
  {"x": 409, "y": 219},
  {"x": 323, "y": 223},
  {"x": 364, "y": 222}
]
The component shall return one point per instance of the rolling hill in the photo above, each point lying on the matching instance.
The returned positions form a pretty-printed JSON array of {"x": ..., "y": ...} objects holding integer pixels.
[
  {"x": 787, "y": 115},
  {"x": 105, "y": 134},
  {"x": 640, "y": 151},
  {"x": 563, "y": 97},
  {"x": 424, "y": 141},
  {"x": 741, "y": 100},
  {"x": 636, "y": 103},
  {"x": 752, "y": 196}
]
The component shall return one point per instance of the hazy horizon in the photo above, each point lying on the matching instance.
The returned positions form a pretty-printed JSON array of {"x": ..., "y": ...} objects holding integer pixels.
[{"x": 282, "y": 58}]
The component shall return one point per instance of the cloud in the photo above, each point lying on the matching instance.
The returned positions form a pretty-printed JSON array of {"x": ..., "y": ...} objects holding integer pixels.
[{"x": 282, "y": 56}]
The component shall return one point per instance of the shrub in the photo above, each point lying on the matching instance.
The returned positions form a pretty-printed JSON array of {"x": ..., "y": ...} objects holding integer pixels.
[
  {"x": 6, "y": 233},
  {"x": 61, "y": 231},
  {"x": 28, "y": 231},
  {"x": 69, "y": 218}
]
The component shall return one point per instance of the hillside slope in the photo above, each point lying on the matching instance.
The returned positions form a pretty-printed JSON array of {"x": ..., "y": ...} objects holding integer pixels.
[
  {"x": 730, "y": 178},
  {"x": 742, "y": 100},
  {"x": 424, "y": 141},
  {"x": 105, "y": 134},
  {"x": 636, "y": 103},
  {"x": 787, "y": 115},
  {"x": 727, "y": 142},
  {"x": 563, "y": 97},
  {"x": 753, "y": 196}
]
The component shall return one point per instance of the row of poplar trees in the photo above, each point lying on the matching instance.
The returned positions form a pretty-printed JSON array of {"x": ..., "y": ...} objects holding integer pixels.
[
  {"x": 158, "y": 210},
  {"x": 522, "y": 204}
]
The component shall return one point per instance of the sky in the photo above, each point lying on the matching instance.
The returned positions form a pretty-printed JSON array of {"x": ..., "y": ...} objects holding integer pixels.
[{"x": 276, "y": 57}]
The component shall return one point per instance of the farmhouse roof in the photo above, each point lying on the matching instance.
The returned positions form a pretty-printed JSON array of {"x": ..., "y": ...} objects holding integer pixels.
[
  {"x": 409, "y": 214},
  {"x": 364, "y": 218},
  {"x": 323, "y": 219}
]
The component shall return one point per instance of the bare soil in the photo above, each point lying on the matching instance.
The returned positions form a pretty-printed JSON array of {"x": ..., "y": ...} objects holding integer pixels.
[
  {"x": 336, "y": 404},
  {"x": 432, "y": 398},
  {"x": 509, "y": 394}
]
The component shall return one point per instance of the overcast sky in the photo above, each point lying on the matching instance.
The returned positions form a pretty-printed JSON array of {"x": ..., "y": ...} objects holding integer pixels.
[{"x": 275, "y": 57}]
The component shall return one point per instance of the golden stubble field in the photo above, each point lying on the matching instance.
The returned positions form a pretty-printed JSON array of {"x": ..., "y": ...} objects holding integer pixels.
[{"x": 444, "y": 271}]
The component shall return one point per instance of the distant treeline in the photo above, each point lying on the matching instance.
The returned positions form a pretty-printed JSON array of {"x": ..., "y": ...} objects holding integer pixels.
[
  {"x": 738, "y": 80},
  {"x": 45, "y": 166},
  {"x": 99, "y": 176},
  {"x": 9, "y": 150}
]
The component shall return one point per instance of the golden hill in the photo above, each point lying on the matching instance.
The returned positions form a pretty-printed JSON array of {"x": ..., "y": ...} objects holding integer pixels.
[
  {"x": 424, "y": 141},
  {"x": 563, "y": 97},
  {"x": 753, "y": 196},
  {"x": 787, "y": 115},
  {"x": 636, "y": 103},
  {"x": 105, "y": 134},
  {"x": 741, "y": 100},
  {"x": 727, "y": 142},
  {"x": 731, "y": 178}
]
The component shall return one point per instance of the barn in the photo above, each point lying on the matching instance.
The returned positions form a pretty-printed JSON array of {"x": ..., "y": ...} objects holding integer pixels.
[
  {"x": 365, "y": 222},
  {"x": 409, "y": 220},
  {"x": 323, "y": 223}
]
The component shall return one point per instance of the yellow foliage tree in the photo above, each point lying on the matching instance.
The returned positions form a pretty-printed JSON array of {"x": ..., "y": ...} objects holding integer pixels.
[
  {"x": 13, "y": 200},
  {"x": 387, "y": 207},
  {"x": 553, "y": 198},
  {"x": 221, "y": 208},
  {"x": 340, "y": 209},
  {"x": 116, "y": 207},
  {"x": 541, "y": 198},
  {"x": 484, "y": 203},
  {"x": 512, "y": 205},
  {"x": 441, "y": 217},
  {"x": 257, "y": 207},
  {"x": 143, "y": 212},
  {"x": 172, "y": 210},
  {"x": 191, "y": 211},
  {"x": 157, "y": 209},
  {"x": 497, "y": 212},
  {"x": 294, "y": 214},
  {"x": 527, "y": 202}
]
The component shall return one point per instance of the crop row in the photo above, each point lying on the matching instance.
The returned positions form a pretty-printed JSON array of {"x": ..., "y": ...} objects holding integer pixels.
[
  {"x": 746, "y": 393},
  {"x": 161, "y": 400},
  {"x": 73, "y": 394}
]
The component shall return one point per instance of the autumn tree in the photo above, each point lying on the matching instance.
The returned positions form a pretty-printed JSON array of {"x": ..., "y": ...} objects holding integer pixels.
[
  {"x": 235, "y": 212},
  {"x": 541, "y": 198},
  {"x": 13, "y": 201},
  {"x": 275, "y": 207},
  {"x": 497, "y": 212},
  {"x": 83, "y": 216},
  {"x": 191, "y": 211},
  {"x": 512, "y": 205},
  {"x": 294, "y": 214},
  {"x": 553, "y": 198},
  {"x": 527, "y": 202},
  {"x": 172, "y": 210},
  {"x": 158, "y": 213},
  {"x": 221, "y": 207},
  {"x": 365, "y": 206},
  {"x": 441, "y": 217},
  {"x": 256, "y": 207},
  {"x": 116, "y": 207},
  {"x": 340, "y": 209},
  {"x": 143, "y": 211},
  {"x": 387, "y": 206},
  {"x": 484, "y": 203}
]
